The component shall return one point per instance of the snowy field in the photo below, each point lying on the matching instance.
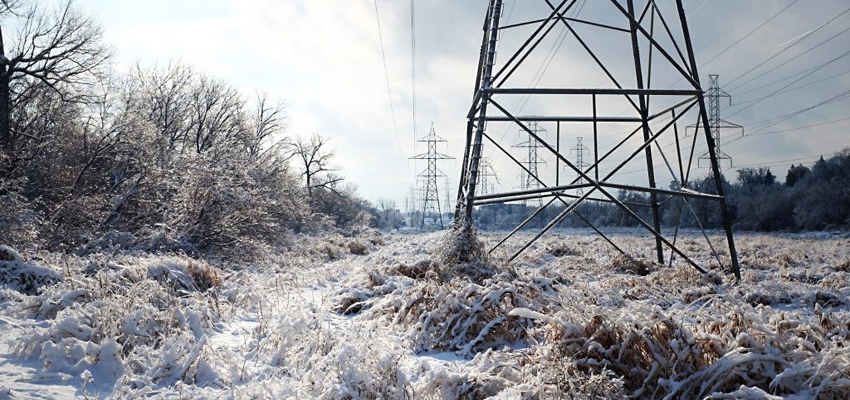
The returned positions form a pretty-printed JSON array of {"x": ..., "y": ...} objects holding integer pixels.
[{"x": 376, "y": 317}]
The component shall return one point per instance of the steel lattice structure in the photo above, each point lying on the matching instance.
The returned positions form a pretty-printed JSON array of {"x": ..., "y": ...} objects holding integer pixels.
[
  {"x": 431, "y": 212},
  {"x": 531, "y": 161},
  {"x": 485, "y": 172},
  {"x": 716, "y": 123},
  {"x": 580, "y": 149},
  {"x": 659, "y": 87}
]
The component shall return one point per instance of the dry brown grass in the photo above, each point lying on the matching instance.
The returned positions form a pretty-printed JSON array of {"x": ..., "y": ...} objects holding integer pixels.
[
  {"x": 204, "y": 276},
  {"x": 843, "y": 266},
  {"x": 627, "y": 264},
  {"x": 357, "y": 248}
]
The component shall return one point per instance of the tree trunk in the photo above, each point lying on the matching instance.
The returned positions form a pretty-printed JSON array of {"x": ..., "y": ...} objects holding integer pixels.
[{"x": 5, "y": 135}]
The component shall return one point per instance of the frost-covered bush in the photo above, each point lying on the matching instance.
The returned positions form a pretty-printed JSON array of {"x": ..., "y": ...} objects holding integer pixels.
[
  {"x": 24, "y": 276},
  {"x": 440, "y": 312},
  {"x": 19, "y": 222},
  {"x": 233, "y": 208},
  {"x": 131, "y": 319}
]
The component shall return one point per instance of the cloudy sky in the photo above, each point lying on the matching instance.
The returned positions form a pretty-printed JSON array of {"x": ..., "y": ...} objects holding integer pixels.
[{"x": 323, "y": 58}]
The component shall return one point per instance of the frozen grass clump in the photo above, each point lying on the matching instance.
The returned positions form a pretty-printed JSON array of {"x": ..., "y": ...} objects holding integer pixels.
[
  {"x": 516, "y": 374},
  {"x": 461, "y": 245},
  {"x": 134, "y": 319},
  {"x": 361, "y": 296},
  {"x": 458, "y": 315},
  {"x": 309, "y": 356},
  {"x": 629, "y": 265},
  {"x": 693, "y": 352},
  {"x": 26, "y": 277}
]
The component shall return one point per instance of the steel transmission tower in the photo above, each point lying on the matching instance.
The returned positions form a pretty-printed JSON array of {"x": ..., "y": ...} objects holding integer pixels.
[
  {"x": 580, "y": 149},
  {"x": 431, "y": 213},
  {"x": 485, "y": 173},
  {"x": 645, "y": 77},
  {"x": 447, "y": 189},
  {"x": 527, "y": 178},
  {"x": 715, "y": 122}
]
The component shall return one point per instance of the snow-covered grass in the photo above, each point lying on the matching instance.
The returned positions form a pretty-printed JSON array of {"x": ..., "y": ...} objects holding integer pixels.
[{"x": 379, "y": 316}]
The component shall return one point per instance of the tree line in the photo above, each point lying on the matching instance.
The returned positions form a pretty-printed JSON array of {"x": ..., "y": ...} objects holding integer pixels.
[
  {"x": 816, "y": 198},
  {"x": 160, "y": 158}
]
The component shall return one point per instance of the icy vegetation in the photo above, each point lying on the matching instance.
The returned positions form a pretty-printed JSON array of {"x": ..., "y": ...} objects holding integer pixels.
[{"x": 379, "y": 316}]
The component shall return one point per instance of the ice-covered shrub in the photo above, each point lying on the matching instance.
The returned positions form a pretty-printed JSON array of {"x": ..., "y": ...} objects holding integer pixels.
[
  {"x": 143, "y": 323},
  {"x": 362, "y": 295},
  {"x": 184, "y": 276},
  {"x": 418, "y": 270},
  {"x": 723, "y": 347},
  {"x": 461, "y": 244},
  {"x": 19, "y": 222},
  {"x": 333, "y": 364},
  {"x": 24, "y": 276},
  {"x": 463, "y": 316},
  {"x": 843, "y": 266},
  {"x": 330, "y": 251}
]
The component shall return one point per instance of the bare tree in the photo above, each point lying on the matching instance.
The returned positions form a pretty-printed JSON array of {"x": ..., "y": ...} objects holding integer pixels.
[
  {"x": 267, "y": 122},
  {"x": 314, "y": 158},
  {"x": 60, "y": 50},
  {"x": 164, "y": 98},
  {"x": 9, "y": 6},
  {"x": 216, "y": 114},
  {"x": 390, "y": 215}
]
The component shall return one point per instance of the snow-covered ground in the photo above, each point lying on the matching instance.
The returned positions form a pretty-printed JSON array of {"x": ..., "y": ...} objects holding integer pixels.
[{"x": 378, "y": 317}]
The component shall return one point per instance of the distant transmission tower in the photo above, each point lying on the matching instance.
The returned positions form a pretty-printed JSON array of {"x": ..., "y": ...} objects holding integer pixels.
[
  {"x": 448, "y": 194},
  {"x": 485, "y": 174},
  {"x": 431, "y": 213},
  {"x": 410, "y": 201},
  {"x": 716, "y": 124},
  {"x": 580, "y": 149},
  {"x": 528, "y": 179}
]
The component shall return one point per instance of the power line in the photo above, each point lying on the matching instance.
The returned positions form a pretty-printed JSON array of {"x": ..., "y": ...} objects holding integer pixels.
[
  {"x": 445, "y": 57},
  {"x": 786, "y": 117},
  {"x": 793, "y": 82},
  {"x": 413, "y": 62},
  {"x": 780, "y": 162},
  {"x": 798, "y": 87},
  {"x": 789, "y": 129},
  {"x": 788, "y": 61},
  {"x": 785, "y": 49},
  {"x": 387, "y": 77},
  {"x": 792, "y": 76},
  {"x": 751, "y": 32},
  {"x": 806, "y": 34},
  {"x": 773, "y": 120},
  {"x": 694, "y": 11}
]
